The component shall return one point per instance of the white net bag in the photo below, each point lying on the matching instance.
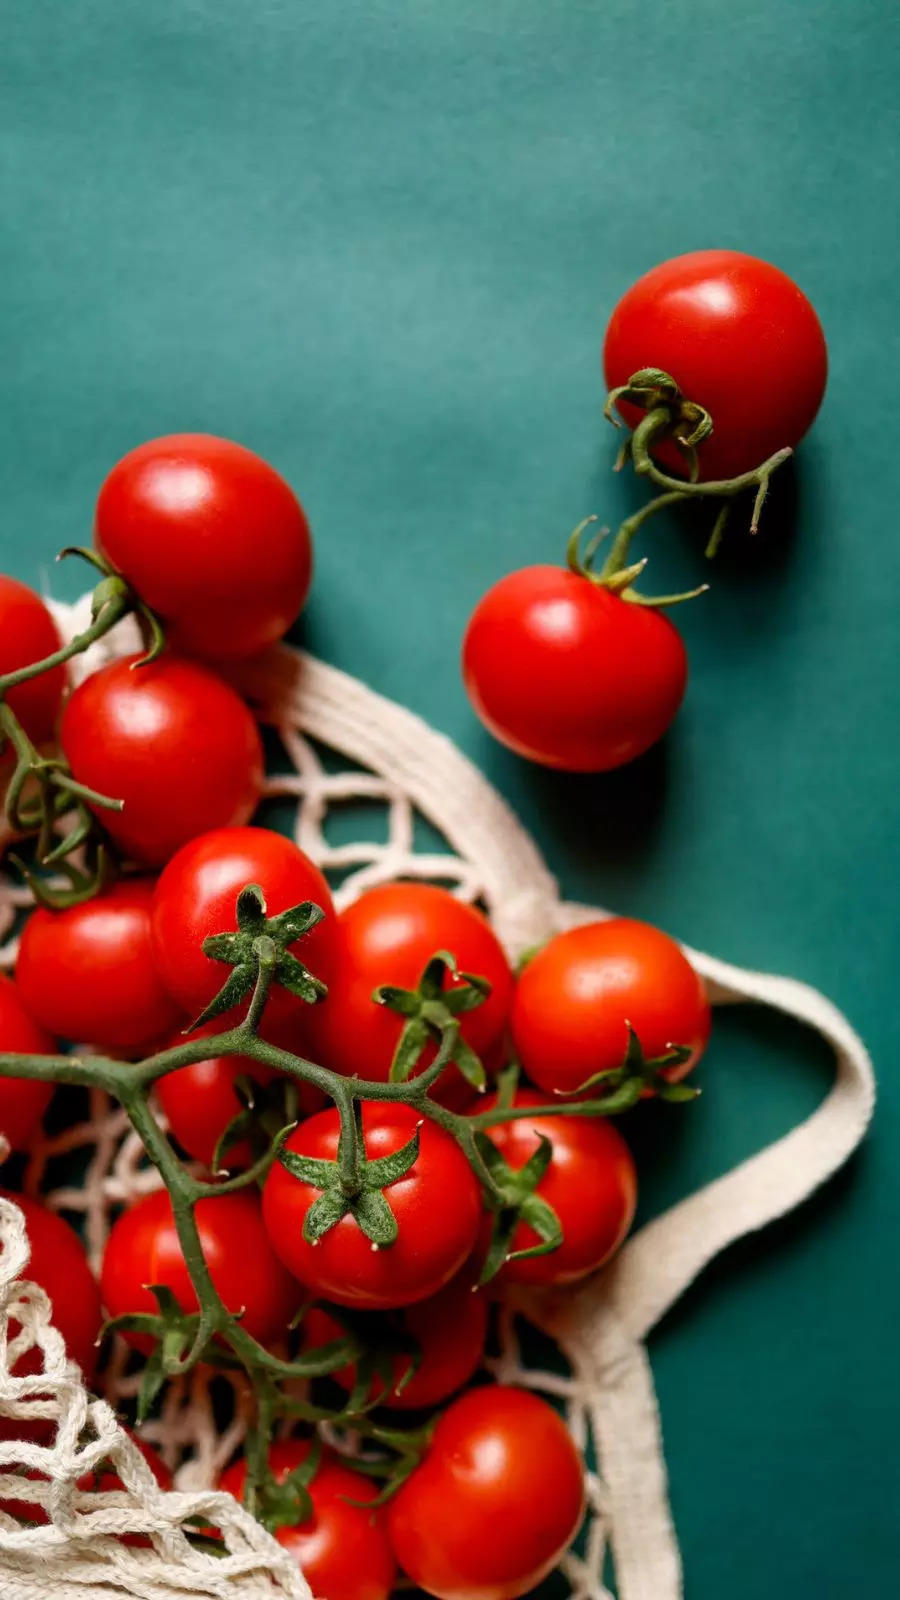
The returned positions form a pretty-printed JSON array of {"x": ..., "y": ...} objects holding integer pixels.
[{"x": 392, "y": 760}]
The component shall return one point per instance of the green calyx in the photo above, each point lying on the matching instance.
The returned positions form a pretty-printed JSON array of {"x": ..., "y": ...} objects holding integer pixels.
[
  {"x": 518, "y": 1202},
  {"x": 431, "y": 1014},
  {"x": 352, "y": 1185},
  {"x": 259, "y": 956},
  {"x": 639, "y": 1074}
]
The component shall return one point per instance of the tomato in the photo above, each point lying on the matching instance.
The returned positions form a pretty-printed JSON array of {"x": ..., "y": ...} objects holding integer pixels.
[
  {"x": 342, "y": 1549},
  {"x": 496, "y": 1501},
  {"x": 28, "y": 634},
  {"x": 590, "y": 1183},
  {"x": 58, "y": 1263},
  {"x": 143, "y": 1249},
  {"x": 450, "y": 1330},
  {"x": 568, "y": 674},
  {"x": 173, "y": 741},
  {"x": 87, "y": 973},
  {"x": 437, "y": 1205},
  {"x": 23, "y": 1101},
  {"x": 388, "y": 936},
  {"x": 211, "y": 537},
  {"x": 576, "y": 998},
  {"x": 739, "y": 338}
]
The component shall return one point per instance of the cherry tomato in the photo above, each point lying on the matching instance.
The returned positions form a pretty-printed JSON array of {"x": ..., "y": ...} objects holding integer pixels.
[
  {"x": 58, "y": 1263},
  {"x": 342, "y": 1549},
  {"x": 23, "y": 1101},
  {"x": 570, "y": 675},
  {"x": 28, "y": 634},
  {"x": 173, "y": 741},
  {"x": 87, "y": 973},
  {"x": 739, "y": 338},
  {"x": 449, "y": 1329},
  {"x": 388, "y": 936},
  {"x": 211, "y": 537},
  {"x": 576, "y": 997},
  {"x": 437, "y": 1206},
  {"x": 143, "y": 1249},
  {"x": 496, "y": 1501},
  {"x": 591, "y": 1184}
]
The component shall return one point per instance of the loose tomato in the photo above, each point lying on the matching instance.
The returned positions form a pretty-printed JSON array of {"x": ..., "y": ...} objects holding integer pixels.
[
  {"x": 568, "y": 674},
  {"x": 496, "y": 1501},
  {"x": 58, "y": 1263},
  {"x": 87, "y": 973},
  {"x": 388, "y": 936},
  {"x": 449, "y": 1329},
  {"x": 143, "y": 1249},
  {"x": 211, "y": 537},
  {"x": 590, "y": 1183},
  {"x": 28, "y": 634},
  {"x": 23, "y": 1101},
  {"x": 575, "y": 999},
  {"x": 437, "y": 1205},
  {"x": 173, "y": 741},
  {"x": 739, "y": 338},
  {"x": 342, "y": 1549}
]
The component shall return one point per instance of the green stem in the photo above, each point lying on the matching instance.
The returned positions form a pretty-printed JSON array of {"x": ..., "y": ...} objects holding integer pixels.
[{"x": 116, "y": 607}]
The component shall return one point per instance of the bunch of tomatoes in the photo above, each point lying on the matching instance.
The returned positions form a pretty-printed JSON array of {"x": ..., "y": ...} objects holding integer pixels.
[{"x": 373, "y": 1233}]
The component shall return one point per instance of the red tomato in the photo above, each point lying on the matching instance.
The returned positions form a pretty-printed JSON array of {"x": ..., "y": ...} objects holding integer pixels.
[
  {"x": 576, "y": 997},
  {"x": 87, "y": 973},
  {"x": 496, "y": 1501},
  {"x": 22, "y": 1100},
  {"x": 437, "y": 1206},
  {"x": 450, "y": 1330},
  {"x": 173, "y": 741},
  {"x": 342, "y": 1549},
  {"x": 28, "y": 634},
  {"x": 58, "y": 1263},
  {"x": 739, "y": 338},
  {"x": 143, "y": 1249},
  {"x": 570, "y": 675},
  {"x": 388, "y": 936},
  {"x": 211, "y": 537},
  {"x": 591, "y": 1184}
]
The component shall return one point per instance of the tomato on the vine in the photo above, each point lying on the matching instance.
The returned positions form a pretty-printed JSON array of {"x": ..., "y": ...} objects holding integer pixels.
[
  {"x": 569, "y": 674},
  {"x": 437, "y": 1206},
  {"x": 59, "y": 1265},
  {"x": 23, "y": 1101},
  {"x": 28, "y": 634},
  {"x": 342, "y": 1549},
  {"x": 739, "y": 338},
  {"x": 496, "y": 1501},
  {"x": 211, "y": 537},
  {"x": 577, "y": 997},
  {"x": 87, "y": 973},
  {"x": 174, "y": 742}
]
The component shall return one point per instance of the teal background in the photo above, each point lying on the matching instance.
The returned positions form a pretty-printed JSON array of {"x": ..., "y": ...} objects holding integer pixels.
[{"x": 378, "y": 243}]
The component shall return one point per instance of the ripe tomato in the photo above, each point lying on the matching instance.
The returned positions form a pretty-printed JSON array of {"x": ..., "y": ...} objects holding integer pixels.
[
  {"x": 173, "y": 741},
  {"x": 450, "y": 1330},
  {"x": 576, "y": 997},
  {"x": 211, "y": 537},
  {"x": 22, "y": 1100},
  {"x": 739, "y": 338},
  {"x": 28, "y": 634},
  {"x": 437, "y": 1206},
  {"x": 342, "y": 1549},
  {"x": 87, "y": 973},
  {"x": 58, "y": 1263},
  {"x": 496, "y": 1501},
  {"x": 570, "y": 675},
  {"x": 143, "y": 1249},
  {"x": 590, "y": 1183},
  {"x": 388, "y": 936}
]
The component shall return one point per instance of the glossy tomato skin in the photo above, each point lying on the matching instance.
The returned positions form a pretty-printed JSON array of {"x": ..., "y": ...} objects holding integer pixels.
[
  {"x": 591, "y": 1184},
  {"x": 496, "y": 1501},
  {"x": 342, "y": 1549},
  {"x": 212, "y": 538},
  {"x": 87, "y": 973},
  {"x": 23, "y": 1101},
  {"x": 388, "y": 936},
  {"x": 143, "y": 1249},
  {"x": 576, "y": 996},
  {"x": 28, "y": 634},
  {"x": 172, "y": 740},
  {"x": 437, "y": 1206},
  {"x": 58, "y": 1263},
  {"x": 739, "y": 338},
  {"x": 569, "y": 675}
]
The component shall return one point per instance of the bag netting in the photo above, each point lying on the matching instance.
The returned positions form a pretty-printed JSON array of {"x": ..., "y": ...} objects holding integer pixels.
[{"x": 390, "y": 760}]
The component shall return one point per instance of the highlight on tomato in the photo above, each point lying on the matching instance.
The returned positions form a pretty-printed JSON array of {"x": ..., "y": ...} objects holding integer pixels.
[{"x": 23, "y": 1101}]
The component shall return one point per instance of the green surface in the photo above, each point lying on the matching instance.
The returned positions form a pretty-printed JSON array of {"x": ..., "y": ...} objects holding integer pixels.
[{"x": 378, "y": 243}]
